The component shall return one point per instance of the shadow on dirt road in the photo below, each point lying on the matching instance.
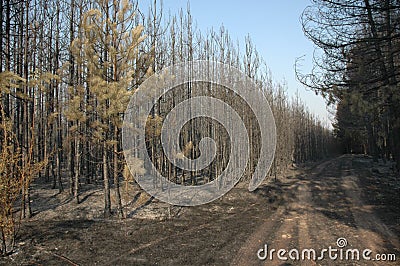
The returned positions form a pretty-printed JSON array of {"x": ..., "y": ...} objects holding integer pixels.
[{"x": 332, "y": 207}]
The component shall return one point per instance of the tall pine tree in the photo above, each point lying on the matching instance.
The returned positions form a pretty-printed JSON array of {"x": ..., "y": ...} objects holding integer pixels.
[{"x": 108, "y": 50}]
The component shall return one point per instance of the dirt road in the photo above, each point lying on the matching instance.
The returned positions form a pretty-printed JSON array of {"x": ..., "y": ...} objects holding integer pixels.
[
  {"x": 326, "y": 210},
  {"x": 348, "y": 197}
]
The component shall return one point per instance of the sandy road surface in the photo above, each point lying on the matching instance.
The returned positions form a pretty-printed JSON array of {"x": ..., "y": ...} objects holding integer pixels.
[{"x": 327, "y": 205}]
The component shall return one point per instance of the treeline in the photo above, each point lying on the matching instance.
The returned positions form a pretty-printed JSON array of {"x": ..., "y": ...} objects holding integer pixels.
[
  {"x": 67, "y": 71},
  {"x": 359, "y": 70}
]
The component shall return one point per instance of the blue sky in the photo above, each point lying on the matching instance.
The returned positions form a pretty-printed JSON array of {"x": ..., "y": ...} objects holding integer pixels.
[{"x": 274, "y": 27}]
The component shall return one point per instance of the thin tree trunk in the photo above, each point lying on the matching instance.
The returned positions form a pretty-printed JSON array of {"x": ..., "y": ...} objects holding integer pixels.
[
  {"x": 116, "y": 176},
  {"x": 77, "y": 171},
  {"x": 107, "y": 200}
]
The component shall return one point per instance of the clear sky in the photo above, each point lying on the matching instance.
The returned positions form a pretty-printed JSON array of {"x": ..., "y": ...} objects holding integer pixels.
[{"x": 275, "y": 29}]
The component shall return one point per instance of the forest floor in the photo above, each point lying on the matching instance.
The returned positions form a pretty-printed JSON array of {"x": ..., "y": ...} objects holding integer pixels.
[{"x": 348, "y": 197}]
